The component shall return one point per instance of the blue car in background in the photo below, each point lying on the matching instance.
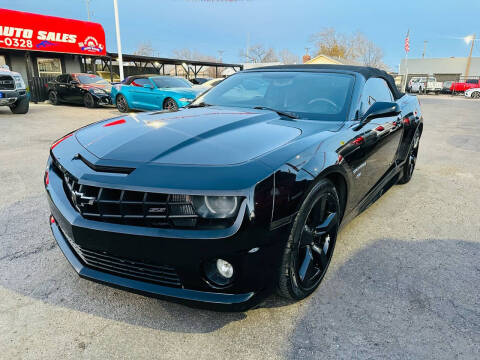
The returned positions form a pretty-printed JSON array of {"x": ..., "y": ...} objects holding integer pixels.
[{"x": 153, "y": 92}]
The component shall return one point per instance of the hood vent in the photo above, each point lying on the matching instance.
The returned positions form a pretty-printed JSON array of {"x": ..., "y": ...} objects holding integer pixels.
[{"x": 104, "y": 168}]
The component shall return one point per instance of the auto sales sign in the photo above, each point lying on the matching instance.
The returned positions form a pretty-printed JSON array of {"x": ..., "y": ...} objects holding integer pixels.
[{"x": 26, "y": 31}]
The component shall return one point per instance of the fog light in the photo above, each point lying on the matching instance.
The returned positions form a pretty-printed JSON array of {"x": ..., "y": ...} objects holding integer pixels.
[
  {"x": 225, "y": 268},
  {"x": 219, "y": 272}
]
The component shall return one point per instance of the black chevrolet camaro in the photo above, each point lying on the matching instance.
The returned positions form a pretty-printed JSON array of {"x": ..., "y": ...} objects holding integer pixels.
[{"x": 238, "y": 195}]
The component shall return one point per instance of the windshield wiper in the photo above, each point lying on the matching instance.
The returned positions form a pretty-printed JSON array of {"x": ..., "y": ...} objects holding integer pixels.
[
  {"x": 281, "y": 113},
  {"x": 202, "y": 104}
]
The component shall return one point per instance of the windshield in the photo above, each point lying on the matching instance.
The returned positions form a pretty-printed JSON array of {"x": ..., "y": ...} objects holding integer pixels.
[
  {"x": 306, "y": 95},
  {"x": 171, "y": 82},
  {"x": 91, "y": 79}
]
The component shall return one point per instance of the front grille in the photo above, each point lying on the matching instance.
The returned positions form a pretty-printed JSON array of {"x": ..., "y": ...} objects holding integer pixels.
[
  {"x": 7, "y": 83},
  {"x": 130, "y": 207},
  {"x": 160, "y": 274}
]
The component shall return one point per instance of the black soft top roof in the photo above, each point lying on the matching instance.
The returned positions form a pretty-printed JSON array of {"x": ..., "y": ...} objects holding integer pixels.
[{"x": 366, "y": 71}]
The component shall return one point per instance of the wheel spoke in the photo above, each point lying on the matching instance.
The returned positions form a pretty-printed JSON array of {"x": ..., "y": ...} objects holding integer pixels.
[
  {"x": 327, "y": 225},
  {"x": 306, "y": 264},
  {"x": 320, "y": 254}
]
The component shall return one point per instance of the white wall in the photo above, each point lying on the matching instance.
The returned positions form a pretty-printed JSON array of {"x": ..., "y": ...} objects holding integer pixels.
[{"x": 441, "y": 66}]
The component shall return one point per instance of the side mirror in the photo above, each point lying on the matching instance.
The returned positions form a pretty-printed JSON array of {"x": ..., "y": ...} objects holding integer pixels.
[
  {"x": 148, "y": 86},
  {"x": 381, "y": 109},
  {"x": 378, "y": 110},
  {"x": 74, "y": 82}
]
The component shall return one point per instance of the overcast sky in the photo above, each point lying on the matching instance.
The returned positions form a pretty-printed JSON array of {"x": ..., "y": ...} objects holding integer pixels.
[{"x": 208, "y": 26}]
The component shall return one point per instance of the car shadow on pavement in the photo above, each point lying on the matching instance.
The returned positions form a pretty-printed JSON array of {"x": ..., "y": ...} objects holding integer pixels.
[
  {"x": 392, "y": 297},
  {"x": 396, "y": 299}
]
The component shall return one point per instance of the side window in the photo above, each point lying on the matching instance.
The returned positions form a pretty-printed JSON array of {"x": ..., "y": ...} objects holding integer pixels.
[
  {"x": 375, "y": 89},
  {"x": 62, "y": 79},
  {"x": 140, "y": 82}
]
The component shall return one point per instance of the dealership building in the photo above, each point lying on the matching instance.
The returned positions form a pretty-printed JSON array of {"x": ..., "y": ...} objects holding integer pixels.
[
  {"x": 42, "y": 47},
  {"x": 444, "y": 69}
]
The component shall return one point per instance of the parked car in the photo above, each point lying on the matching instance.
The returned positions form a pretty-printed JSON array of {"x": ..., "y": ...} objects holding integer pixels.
[
  {"x": 153, "y": 92},
  {"x": 78, "y": 88},
  {"x": 199, "y": 81},
  {"x": 473, "y": 93},
  {"x": 465, "y": 85},
  {"x": 105, "y": 75},
  {"x": 447, "y": 87},
  {"x": 238, "y": 194},
  {"x": 13, "y": 92},
  {"x": 424, "y": 85},
  {"x": 211, "y": 83},
  {"x": 235, "y": 196}
]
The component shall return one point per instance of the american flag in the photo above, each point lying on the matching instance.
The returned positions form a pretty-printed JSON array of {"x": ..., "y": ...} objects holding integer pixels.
[{"x": 407, "y": 42}]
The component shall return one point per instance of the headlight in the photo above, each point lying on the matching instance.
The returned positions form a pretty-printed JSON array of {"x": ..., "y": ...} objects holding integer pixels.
[
  {"x": 219, "y": 207},
  {"x": 186, "y": 100},
  {"x": 99, "y": 91},
  {"x": 19, "y": 82}
]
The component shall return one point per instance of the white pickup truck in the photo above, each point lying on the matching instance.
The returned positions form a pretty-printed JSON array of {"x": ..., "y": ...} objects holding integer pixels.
[
  {"x": 13, "y": 92},
  {"x": 424, "y": 85}
]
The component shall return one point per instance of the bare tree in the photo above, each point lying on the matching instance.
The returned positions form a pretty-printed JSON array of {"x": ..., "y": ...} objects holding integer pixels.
[
  {"x": 270, "y": 56},
  {"x": 254, "y": 54},
  {"x": 329, "y": 42},
  {"x": 288, "y": 57},
  {"x": 144, "y": 49},
  {"x": 368, "y": 53},
  {"x": 355, "y": 47}
]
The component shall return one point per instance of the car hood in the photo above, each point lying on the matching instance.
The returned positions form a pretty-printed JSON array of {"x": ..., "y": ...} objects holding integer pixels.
[
  {"x": 197, "y": 136},
  {"x": 107, "y": 88},
  {"x": 184, "y": 91}
]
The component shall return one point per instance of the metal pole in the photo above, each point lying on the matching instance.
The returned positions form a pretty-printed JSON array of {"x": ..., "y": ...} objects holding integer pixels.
[
  {"x": 469, "y": 60},
  {"x": 406, "y": 71},
  {"x": 424, "y": 49},
  {"x": 87, "y": 2},
  {"x": 119, "y": 43}
]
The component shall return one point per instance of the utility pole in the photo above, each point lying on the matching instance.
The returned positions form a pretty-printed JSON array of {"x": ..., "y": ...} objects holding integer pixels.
[
  {"x": 220, "y": 55},
  {"x": 119, "y": 42},
  {"x": 87, "y": 3},
  {"x": 469, "y": 60},
  {"x": 424, "y": 49}
]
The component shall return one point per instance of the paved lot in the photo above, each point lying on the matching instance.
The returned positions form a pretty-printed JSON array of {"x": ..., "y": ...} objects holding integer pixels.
[{"x": 404, "y": 281}]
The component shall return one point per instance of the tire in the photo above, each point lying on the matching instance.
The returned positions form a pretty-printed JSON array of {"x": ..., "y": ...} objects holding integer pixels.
[
  {"x": 311, "y": 242},
  {"x": 20, "y": 106},
  {"x": 89, "y": 101},
  {"x": 476, "y": 95},
  {"x": 122, "y": 104},
  {"x": 53, "y": 97},
  {"x": 170, "y": 104},
  {"x": 409, "y": 166}
]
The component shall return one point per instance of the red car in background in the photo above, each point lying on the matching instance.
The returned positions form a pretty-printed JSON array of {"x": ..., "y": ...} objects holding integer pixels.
[{"x": 467, "y": 84}]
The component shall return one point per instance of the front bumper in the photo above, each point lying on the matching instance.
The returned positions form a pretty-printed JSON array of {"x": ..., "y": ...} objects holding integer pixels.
[
  {"x": 103, "y": 99},
  {"x": 185, "y": 250},
  {"x": 11, "y": 96}
]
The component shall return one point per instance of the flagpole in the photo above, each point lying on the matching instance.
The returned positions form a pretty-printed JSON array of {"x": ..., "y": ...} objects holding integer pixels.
[
  {"x": 407, "y": 49},
  {"x": 406, "y": 72}
]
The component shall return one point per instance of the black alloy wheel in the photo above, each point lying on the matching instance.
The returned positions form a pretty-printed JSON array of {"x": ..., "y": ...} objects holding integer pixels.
[
  {"x": 476, "y": 95},
  {"x": 122, "y": 104},
  {"x": 170, "y": 105},
  {"x": 53, "y": 97},
  {"x": 411, "y": 161},
  {"x": 89, "y": 101},
  {"x": 311, "y": 243}
]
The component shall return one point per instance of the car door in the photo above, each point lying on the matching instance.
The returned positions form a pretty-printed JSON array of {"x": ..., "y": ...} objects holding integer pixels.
[
  {"x": 388, "y": 130},
  {"x": 61, "y": 87},
  {"x": 75, "y": 94},
  {"x": 142, "y": 97}
]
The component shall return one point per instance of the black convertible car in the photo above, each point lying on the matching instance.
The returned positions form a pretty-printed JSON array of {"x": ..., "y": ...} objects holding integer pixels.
[{"x": 238, "y": 195}]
